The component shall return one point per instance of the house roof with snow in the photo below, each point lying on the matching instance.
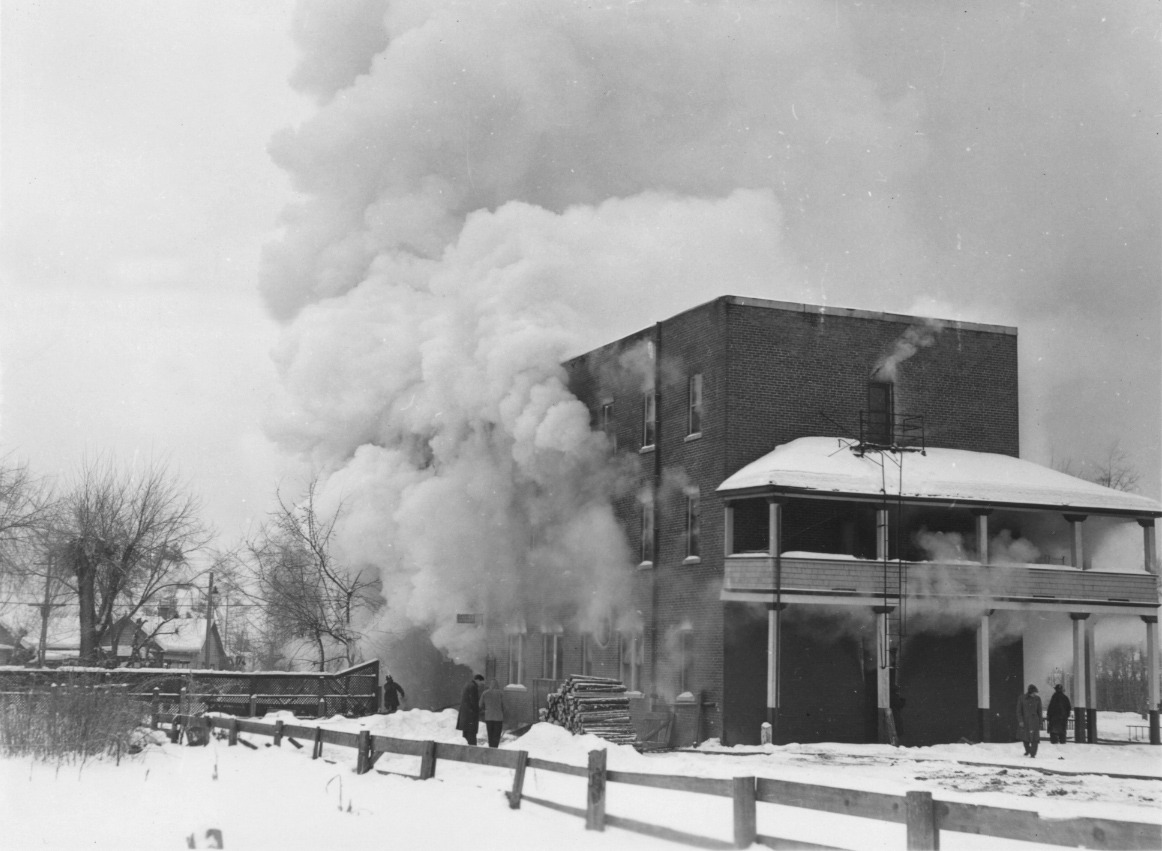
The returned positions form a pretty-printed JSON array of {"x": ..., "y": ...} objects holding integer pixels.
[
  {"x": 830, "y": 466},
  {"x": 177, "y": 635}
]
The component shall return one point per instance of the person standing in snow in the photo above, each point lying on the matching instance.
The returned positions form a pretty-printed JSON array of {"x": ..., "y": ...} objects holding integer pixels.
[
  {"x": 1059, "y": 711},
  {"x": 392, "y": 692},
  {"x": 492, "y": 705},
  {"x": 468, "y": 721},
  {"x": 1029, "y": 720}
]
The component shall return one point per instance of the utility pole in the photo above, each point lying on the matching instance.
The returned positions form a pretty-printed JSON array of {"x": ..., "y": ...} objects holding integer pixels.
[{"x": 209, "y": 620}]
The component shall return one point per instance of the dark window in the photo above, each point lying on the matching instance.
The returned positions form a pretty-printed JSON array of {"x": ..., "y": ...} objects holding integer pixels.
[
  {"x": 607, "y": 426},
  {"x": 648, "y": 528},
  {"x": 879, "y": 412},
  {"x": 693, "y": 524},
  {"x": 649, "y": 418},
  {"x": 630, "y": 653},
  {"x": 694, "y": 395}
]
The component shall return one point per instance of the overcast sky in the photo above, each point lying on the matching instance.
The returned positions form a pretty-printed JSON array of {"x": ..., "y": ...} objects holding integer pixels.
[{"x": 1009, "y": 152}]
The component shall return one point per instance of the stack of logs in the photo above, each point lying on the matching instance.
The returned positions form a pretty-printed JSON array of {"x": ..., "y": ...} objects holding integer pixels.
[{"x": 596, "y": 705}]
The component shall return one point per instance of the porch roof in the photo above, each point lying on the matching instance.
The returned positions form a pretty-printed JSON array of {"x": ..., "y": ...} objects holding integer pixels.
[{"x": 831, "y": 466}]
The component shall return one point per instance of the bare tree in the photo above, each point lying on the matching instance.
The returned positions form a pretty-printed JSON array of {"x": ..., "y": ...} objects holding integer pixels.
[
  {"x": 1112, "y": 470},
  {"x": 124, "y": 538},
  {"x": 305, "y": 592}
]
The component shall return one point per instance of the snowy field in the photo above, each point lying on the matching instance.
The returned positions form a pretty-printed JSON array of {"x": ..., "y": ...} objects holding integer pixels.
[{"x": 278, "y": 798}]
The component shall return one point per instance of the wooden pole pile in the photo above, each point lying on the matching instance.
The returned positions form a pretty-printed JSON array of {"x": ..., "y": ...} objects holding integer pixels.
[{"x": 595, "y": 705}]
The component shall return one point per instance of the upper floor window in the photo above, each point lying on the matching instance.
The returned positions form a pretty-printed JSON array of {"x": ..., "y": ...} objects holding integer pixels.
[
  {"x": 647, "y": 542},
  {"x": 694, "y": 404},
  {"x": 693, "y": 524},
  {"x": 607, "y": 425},
  {"x": 649, "y": 418},
  {"x": 879, "y": 412}
]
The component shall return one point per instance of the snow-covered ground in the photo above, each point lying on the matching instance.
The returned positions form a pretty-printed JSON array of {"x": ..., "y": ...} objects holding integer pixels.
[{"x": 278, "y": 798}]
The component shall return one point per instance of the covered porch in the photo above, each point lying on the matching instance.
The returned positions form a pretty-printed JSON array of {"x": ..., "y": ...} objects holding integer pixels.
[{"x": 825, "y": 522}]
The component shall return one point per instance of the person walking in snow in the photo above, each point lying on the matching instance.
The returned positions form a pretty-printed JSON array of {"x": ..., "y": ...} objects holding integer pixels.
[
  {"x": 1058, "y": 715},
  {"x": 468, "y": 721},
  {"x": 492, "y": 705},
  {"x": 392, "y": 692},
  {"x": 1029, "y": 720}
]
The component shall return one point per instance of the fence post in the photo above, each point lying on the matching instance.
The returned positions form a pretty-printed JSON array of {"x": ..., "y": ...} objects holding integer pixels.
[
  {"x": 278, "y": 734},
  {"x": 233, "y": 740},
  {"x": 363, "y": 757},
  {"x": 745, "y": 827},
  {"x": 518, "y": 780},
  {"x": 920, "y": 818},
  {"x": 155, "y": 708},
  {"x": 428, "y": 761},
  {"x": 322, "y": 696},
  {"x": 317, "y": 750},
  {"x": 595, "y": 805},
  {"x": 253, "y": 706}
]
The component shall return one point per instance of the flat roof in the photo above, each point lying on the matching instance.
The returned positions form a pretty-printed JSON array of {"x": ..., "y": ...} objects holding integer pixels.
[{"x": 834, "y": 466}]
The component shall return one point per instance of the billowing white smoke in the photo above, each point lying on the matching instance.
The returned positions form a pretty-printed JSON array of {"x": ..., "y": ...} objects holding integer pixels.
[
  {"x": 914, "y": 338},
  {"x": 487, "y": 189}
]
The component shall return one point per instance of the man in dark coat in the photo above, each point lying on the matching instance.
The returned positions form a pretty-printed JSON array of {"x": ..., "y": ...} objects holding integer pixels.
[
  {"x": 468, "y": 721},
  {"x": 392, "y": 692},
  {"x": 1029, "y": 720},
  {"x": 1058, "y": 715}
]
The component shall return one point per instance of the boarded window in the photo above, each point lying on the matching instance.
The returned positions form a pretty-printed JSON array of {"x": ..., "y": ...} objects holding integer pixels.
[
  {"x": 607, "y": 425},
  {"x": 685, "y": 661},
  {"x": 516, "y": 646},
  {"x": 552, "y": 655}
]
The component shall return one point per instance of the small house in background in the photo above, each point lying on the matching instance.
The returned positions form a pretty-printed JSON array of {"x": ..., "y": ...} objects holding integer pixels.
[
  {"x": 178, "y": 642},
  {"x": 10, "y": 646}
]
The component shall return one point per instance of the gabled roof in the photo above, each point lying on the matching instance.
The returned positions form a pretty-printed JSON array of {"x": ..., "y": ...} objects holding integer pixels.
[
  {"x": 178, "y": 635},
  {"x": 830, "y": 466}
]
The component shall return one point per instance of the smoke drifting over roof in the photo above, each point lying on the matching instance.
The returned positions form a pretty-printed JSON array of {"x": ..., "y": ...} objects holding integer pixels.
[{"x": 487, "y": 189}]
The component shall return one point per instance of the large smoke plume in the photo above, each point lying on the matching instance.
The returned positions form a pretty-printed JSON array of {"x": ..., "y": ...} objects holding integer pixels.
[{"x": 486, "y": 189}]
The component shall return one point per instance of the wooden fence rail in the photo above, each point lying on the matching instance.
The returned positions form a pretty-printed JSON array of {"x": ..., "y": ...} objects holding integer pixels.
[{"x": 924, "y": 818}]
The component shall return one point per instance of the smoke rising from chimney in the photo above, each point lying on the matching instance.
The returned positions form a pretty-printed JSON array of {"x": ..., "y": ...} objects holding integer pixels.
[{"x": 913, "y": 339}]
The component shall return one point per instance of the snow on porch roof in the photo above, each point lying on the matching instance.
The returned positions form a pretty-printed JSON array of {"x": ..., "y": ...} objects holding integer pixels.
[{"x": 829, "y": 465}]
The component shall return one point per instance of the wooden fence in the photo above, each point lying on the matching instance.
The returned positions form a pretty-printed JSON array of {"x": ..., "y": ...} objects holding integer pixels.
[
  {"x": 924, "y": 817},
  {"x": 354, "y": 691}
]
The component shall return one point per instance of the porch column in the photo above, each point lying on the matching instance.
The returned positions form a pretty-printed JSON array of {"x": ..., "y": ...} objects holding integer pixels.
[
  {"x": 1076, "y": 548},
  {"x": 885, "y": 724},
  {"x": 982, "y": 533},
  {"x": 1152, "y": 675},
  {"x": 773, "y": 617},
  {"x": 774, "y": 548},
  {"x": 728, "y": 530},
  {"x": 982, "y": 677},
  {"x": 1149, "y": 545},
  {"x": 881, "y": 534},
  {"x": 1078, "y": 676},
  {"x": 1090, "y": 683}
]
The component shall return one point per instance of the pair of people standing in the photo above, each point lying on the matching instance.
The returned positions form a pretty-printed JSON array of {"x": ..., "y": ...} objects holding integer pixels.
[
  {"x": 473, "y": 704},
  {"x": 1029, "y": 718}
]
